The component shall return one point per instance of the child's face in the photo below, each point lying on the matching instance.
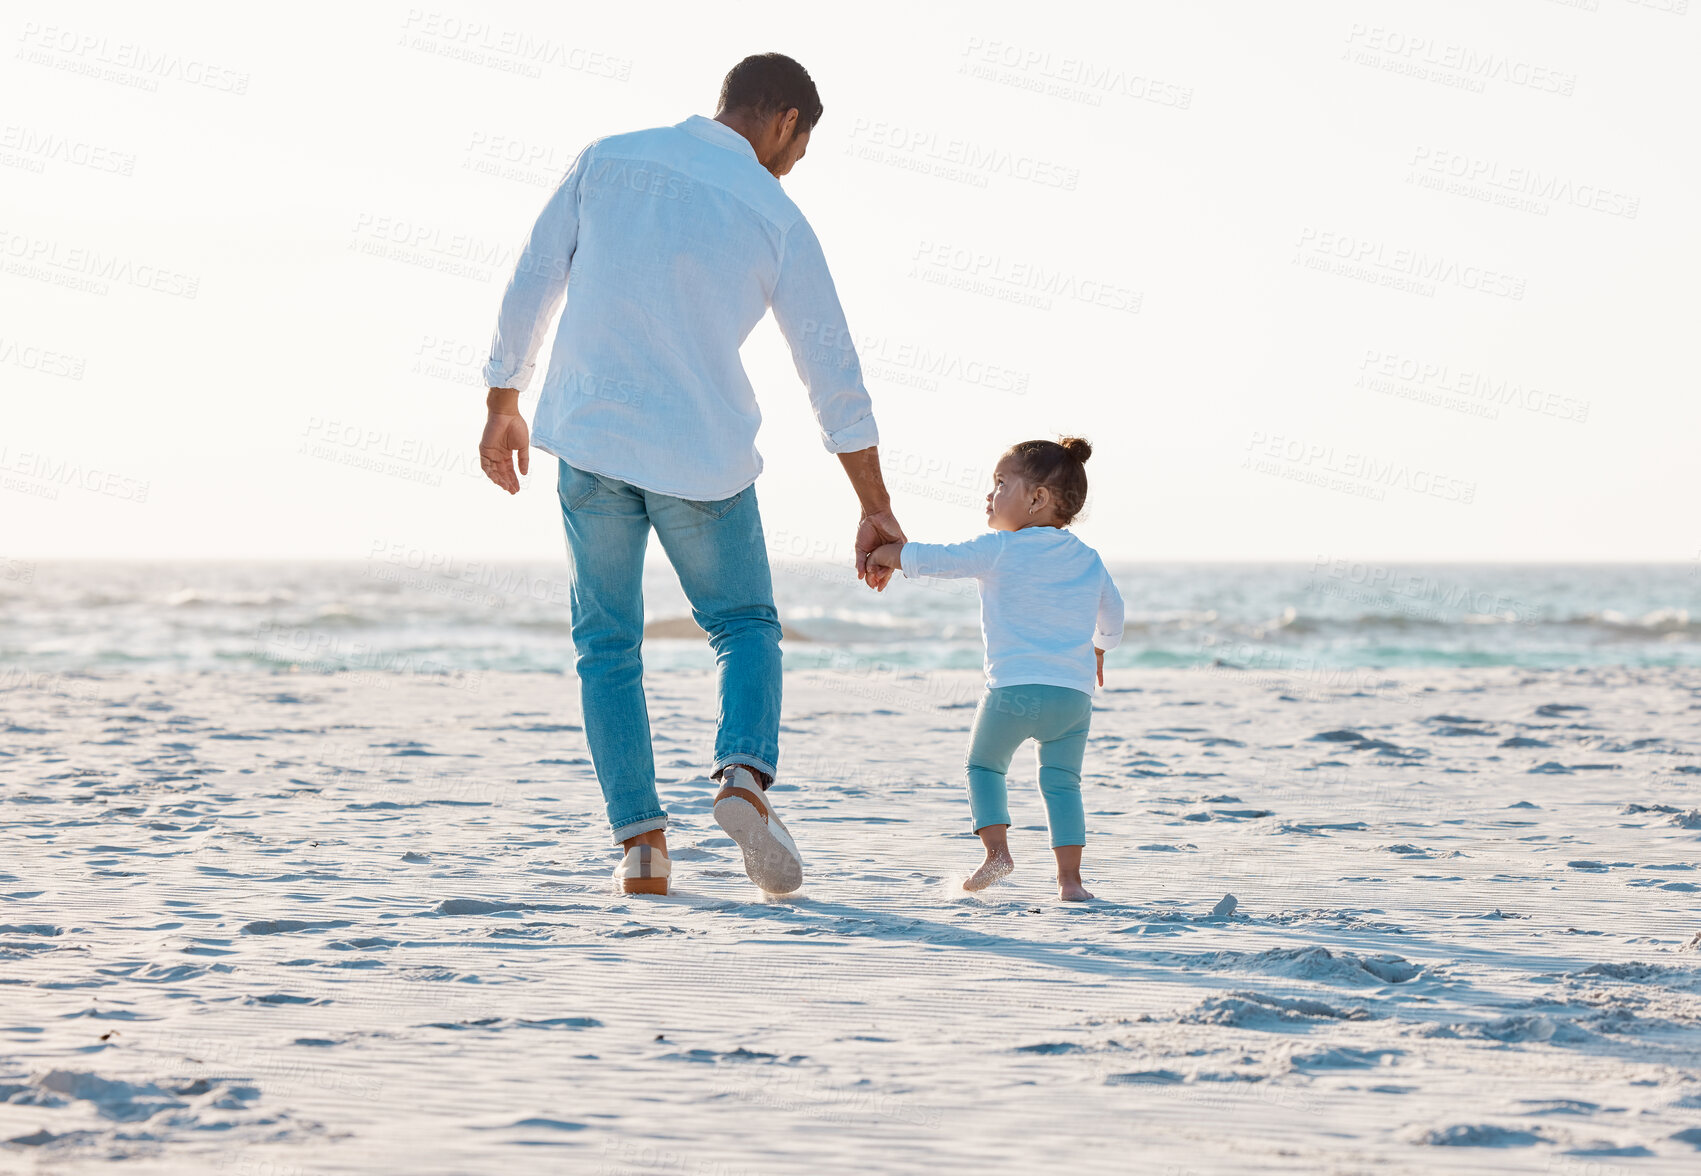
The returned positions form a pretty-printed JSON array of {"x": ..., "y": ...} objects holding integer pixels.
[{"x": 1007, "y": 507}]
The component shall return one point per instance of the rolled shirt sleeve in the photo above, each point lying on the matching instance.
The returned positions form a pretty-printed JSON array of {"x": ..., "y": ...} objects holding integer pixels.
[
  {"x": 972, "y": 559},
  {"x": 534, "y": 293},
  {"x": 1107, "y": 632},
  {"x": 806, "y": 307}
]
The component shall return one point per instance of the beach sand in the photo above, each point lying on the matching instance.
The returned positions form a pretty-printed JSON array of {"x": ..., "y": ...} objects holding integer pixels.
[{"x": 271, "y": 924}]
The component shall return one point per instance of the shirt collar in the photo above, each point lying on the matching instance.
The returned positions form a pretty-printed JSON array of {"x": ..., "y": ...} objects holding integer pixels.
[{"x": 721, "y": 135}]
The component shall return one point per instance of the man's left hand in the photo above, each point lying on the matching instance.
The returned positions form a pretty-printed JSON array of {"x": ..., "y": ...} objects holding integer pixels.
[{"x": 874, "y": 531}]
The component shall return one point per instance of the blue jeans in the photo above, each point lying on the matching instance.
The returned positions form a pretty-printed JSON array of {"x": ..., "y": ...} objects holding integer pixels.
[
  {"x": 1057, "y": 717},
  {"x": 719, "y": 551}
]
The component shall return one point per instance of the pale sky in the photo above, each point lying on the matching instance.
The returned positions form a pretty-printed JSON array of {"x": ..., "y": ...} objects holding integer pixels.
[{"x": 1374, "y": 280}]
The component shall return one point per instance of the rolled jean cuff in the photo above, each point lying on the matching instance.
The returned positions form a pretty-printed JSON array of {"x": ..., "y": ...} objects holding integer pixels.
[
  {"x": 644, "y": 825},
  {"x": 749, "y": 761}
]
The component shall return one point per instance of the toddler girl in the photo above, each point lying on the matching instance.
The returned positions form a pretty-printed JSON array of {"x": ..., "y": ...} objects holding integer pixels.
[{"x": 1048, "y": 611}]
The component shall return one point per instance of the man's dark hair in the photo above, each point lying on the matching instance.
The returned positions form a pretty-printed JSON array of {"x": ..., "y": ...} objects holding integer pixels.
[{"x": 767, "y": 84}]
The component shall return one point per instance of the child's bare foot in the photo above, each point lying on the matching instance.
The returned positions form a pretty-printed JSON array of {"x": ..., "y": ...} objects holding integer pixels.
[
  {"x": 1072, "y": 891},
  {"x": 1069, "y": 887},
  {"x": 997, "y": 865}
]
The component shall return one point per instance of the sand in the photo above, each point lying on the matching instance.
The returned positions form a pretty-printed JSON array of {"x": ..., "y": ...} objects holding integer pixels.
[{"x": 267, "y": 924}]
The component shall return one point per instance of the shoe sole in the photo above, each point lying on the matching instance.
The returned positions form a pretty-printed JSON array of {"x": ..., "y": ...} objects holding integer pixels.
[
  {"x": 773, "y": 867},
  {"x": 643, "y": 885}
]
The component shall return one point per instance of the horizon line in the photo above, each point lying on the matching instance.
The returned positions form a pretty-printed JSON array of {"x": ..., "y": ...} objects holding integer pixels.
[{"x": 1239, "y": 561}]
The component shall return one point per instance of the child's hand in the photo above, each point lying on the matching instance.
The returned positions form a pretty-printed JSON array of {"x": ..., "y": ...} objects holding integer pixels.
[
  {"x": 1099, "y": 653},
  {"x": 886, "y": 556}
]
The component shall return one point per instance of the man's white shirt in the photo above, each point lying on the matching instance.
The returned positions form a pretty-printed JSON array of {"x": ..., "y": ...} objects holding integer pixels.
[{"x": 669, "y": 245}]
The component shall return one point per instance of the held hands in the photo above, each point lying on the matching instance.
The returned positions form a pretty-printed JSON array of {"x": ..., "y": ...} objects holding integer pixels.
[
  {"x": 877, "y": 533},
  {"x": 886, "y": 557},
  {"x": 505, "y": 434}
]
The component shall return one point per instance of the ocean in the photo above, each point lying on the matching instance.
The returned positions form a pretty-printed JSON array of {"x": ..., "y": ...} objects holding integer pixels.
[{"x": 397, "y": 614}]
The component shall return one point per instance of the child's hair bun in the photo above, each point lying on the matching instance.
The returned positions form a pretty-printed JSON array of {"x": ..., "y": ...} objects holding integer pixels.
[{"x": 1076, "y": 447}]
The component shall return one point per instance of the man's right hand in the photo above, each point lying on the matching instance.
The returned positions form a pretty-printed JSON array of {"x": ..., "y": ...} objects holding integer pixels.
[{"x": 505, "y": 435}]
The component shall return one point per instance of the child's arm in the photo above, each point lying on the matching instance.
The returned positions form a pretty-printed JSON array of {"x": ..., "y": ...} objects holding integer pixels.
[
  {"x": 1107, "y": 631},
  {"x": 969, "y": 560}
]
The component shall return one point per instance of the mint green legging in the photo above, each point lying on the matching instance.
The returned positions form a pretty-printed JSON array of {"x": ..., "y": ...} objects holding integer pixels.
[{"x": 1057, "y": 717}]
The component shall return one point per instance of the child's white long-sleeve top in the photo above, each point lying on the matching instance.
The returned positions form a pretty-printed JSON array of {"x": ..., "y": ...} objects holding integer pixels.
[{"x": 1046, "y": 602}]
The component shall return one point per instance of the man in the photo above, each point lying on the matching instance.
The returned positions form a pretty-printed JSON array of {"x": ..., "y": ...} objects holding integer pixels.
[{"x": 669, "y": 246}]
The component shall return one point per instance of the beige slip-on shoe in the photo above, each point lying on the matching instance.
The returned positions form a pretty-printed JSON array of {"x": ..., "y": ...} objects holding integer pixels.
[
  {"x": 744, "y": 811},
  {"x": 644, "y": 870}
]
